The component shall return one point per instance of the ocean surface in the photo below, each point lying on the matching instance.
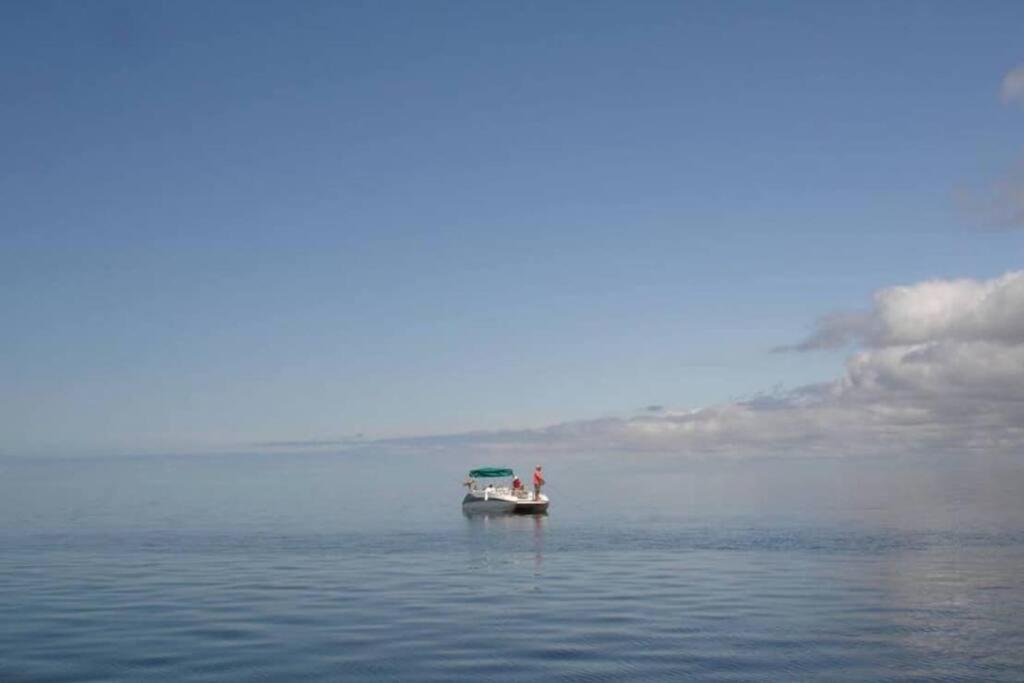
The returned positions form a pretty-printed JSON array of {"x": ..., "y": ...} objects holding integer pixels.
[{"x": 362, "y": 568}]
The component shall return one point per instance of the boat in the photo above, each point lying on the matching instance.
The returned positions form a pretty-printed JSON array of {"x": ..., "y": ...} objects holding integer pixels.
[{"x": 497, "y": 496}]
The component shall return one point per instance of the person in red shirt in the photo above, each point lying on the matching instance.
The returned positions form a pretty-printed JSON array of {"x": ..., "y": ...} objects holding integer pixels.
[
  {"x": 538, "y": 481},
  {"x": 517, "y": 484}
]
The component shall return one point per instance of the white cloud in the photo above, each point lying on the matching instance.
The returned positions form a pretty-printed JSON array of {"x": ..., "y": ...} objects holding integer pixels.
[
  {"x": 931, "y": 311},
  {"x": 1013, "y": 86},
  {"x": 940, "y": 370}
]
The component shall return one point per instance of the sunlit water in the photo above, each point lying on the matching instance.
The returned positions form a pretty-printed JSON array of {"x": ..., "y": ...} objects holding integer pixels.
[{"x": 363, "y": 568}]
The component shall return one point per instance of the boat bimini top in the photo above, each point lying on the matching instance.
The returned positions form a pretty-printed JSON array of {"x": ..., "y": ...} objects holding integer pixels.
[{"x": 487, "y": 472}]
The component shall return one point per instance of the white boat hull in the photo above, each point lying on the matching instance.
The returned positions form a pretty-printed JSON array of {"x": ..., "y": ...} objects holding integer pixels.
[
  {"x": 483, "y": 502},
  {"x": 531, "y": 506},
  {"x": 502, "y": 501}
]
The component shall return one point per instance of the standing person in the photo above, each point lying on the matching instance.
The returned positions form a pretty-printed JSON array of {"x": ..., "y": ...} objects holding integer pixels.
[{"x": 538, "y": 481}]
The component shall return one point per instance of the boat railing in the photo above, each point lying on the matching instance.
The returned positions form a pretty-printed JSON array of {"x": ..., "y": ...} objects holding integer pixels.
[{"x": 521, "y": 493}]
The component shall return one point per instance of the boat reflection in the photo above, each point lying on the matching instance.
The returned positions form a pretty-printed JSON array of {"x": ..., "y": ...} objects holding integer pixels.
[{"x": 507, "y": 536}]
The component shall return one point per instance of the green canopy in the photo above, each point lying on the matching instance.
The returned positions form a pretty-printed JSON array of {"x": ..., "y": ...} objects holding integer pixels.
[{"x": 482, "y": 472}]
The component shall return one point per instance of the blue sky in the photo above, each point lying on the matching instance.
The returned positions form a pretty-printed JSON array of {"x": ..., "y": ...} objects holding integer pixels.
[{"x": 227, "y": 223}]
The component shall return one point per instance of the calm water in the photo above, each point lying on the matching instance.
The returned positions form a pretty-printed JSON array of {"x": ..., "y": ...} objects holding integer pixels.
[{"x": 363, "y": 568}]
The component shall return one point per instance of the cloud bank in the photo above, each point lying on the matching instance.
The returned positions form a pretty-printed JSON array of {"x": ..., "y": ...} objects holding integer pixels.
[
  {"x": 938, "y": 368},
  {"x": 961, "y": 310}
]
